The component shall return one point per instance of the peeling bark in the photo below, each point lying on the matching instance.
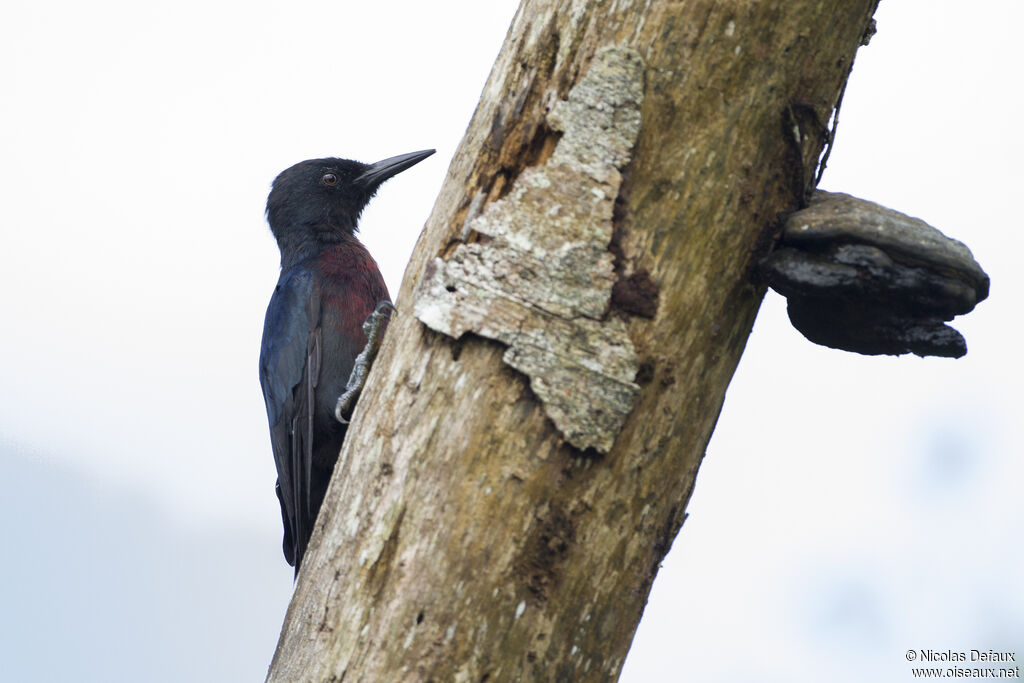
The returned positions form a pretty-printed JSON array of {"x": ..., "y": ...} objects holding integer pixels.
[
  {"x": 463, "y": 536},
  {"x": 543, "y": 283}
]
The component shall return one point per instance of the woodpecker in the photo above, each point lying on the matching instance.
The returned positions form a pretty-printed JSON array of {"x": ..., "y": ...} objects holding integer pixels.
[{"x": 328, "y": 286}]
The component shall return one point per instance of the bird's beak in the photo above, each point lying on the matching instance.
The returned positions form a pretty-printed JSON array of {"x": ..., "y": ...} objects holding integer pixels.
[{"x": 380, "y": 171}]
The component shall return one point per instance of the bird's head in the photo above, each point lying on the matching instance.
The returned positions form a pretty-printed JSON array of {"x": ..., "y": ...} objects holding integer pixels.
[{"x": 318, "y": 201}]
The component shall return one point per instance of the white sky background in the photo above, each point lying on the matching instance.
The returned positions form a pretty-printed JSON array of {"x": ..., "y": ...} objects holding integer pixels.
[{"x": 849, "y": 508}]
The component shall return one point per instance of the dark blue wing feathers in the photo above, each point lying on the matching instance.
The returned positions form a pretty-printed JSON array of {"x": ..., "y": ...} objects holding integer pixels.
[
  {"x": 290, "y": 350},
  {"x": 286, "y": 333}
]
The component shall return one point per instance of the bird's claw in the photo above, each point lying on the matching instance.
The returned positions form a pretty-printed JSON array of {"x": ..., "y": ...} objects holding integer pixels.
[{"x": 373, "y": 327}]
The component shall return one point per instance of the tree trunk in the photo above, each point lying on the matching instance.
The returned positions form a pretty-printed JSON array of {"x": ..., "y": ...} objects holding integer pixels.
[{"x": 503, "y": 500}]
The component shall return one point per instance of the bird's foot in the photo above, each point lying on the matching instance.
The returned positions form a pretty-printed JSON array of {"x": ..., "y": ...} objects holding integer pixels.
[{"x": 374, "y": 328}]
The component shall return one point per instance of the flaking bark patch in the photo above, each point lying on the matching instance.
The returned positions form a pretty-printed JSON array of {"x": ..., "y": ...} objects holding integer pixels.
[{"x": 542, "y": 283}]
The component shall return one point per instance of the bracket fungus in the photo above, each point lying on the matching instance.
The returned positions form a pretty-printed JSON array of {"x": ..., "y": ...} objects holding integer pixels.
[{"x": 864, "y": 278}]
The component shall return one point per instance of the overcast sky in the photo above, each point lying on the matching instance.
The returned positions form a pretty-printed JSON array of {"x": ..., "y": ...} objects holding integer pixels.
[{"x": 849, "y": 509}]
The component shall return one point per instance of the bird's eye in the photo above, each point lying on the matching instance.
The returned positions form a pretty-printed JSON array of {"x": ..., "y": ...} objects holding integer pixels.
[{"x": 330, "y": 179}]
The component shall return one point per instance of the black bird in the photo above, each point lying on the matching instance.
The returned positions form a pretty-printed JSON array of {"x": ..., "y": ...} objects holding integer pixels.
[{"x": 329, "y": 285}]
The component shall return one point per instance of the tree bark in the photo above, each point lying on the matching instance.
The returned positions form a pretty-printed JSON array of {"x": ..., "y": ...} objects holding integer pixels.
[{"x": 497, "y": 515}]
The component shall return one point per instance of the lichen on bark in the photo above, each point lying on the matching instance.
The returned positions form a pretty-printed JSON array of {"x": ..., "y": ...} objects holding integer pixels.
[{"x": 542, "y": 283}]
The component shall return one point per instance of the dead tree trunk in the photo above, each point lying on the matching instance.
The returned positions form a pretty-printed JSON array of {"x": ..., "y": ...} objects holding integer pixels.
[{"x": 503, "y": 499}]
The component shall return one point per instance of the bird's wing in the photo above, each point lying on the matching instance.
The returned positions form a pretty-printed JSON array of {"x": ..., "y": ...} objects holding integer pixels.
[{"x": 289, "y": 369}]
